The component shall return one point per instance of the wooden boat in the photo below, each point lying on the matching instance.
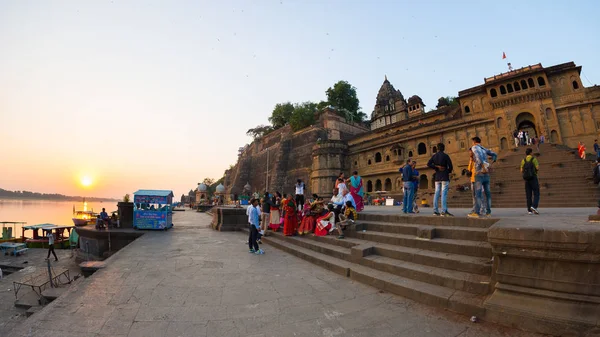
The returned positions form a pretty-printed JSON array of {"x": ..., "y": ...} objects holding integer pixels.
[
  {"x": 39, "y": 240},
  {"x": 84, "y": 217},
  {"x": 9, "y": 230}
]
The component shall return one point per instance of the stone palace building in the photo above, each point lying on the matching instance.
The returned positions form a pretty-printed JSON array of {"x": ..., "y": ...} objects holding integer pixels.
[{"x": 549, "y": 101}]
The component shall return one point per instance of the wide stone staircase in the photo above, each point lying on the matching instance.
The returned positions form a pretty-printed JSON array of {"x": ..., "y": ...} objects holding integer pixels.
[
  {"x": 444, "y": 262},
  {"x": 565, "y": 180}
]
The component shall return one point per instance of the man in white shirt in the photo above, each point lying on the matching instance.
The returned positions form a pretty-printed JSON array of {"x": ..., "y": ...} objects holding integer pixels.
[
  {"x": 300, "y": 187},
  {"x": 341, "y": 204},
  {"x": 50, "y": 237}
]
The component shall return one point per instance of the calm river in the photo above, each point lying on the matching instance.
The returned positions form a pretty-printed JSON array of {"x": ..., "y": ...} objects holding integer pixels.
[{"x": 43, "y": 211}]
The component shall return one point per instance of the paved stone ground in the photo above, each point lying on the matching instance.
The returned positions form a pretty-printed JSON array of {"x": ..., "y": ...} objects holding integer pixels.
[
  {"x": 193, "y": 281},
  {"x": 31, "y": 262}
]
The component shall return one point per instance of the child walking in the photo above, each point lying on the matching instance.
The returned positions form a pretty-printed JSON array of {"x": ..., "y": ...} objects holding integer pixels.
[{"x": 254, "y": 227}]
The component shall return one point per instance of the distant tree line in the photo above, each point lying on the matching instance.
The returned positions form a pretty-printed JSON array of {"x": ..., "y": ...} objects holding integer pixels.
[
  {"x": 46, "y": 196},
  {"x": 341, "y": 97}
]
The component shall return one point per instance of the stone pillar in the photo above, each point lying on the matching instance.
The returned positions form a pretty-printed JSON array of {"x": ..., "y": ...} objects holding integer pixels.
[
  {"x": 329, "y": 159},
  {"x": 547, "y": 277}
]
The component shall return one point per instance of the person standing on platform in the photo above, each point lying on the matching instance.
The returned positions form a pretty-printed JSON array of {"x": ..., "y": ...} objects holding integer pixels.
[
  {"x": 50, "y": 237},
  {"x": 407, "y": 180},
  {"x": 442, "y": 165},
  {"x": 265, "y": 216},
  {"x": 300, "y": 188},
  {"x": 415, "y": 185},
  {"x": 254, "y": 227},
  {"x": 530, "y": 168},
  {"x": 516, "y": 138},
  {"x": 482, "y": 177}
]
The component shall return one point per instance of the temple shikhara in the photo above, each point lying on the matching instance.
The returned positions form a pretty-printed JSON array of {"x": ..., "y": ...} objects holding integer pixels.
[{"x": 545, "y": 101}]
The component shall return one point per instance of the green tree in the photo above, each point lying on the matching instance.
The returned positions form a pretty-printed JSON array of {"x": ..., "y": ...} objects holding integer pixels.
[
  {"x": 303, "y": 115},
  {"x": 208, "y": 181},
  {"x": 259, "y": 131},
  {"x": 342, "y": 96},
  {"x": 281, "y": 114}
]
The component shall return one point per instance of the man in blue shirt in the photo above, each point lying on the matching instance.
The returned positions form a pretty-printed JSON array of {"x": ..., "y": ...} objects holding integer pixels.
[
  {"x": 415, "y": 185},
  {"x": 597, "y": 148},
  {"x": 254, "y": 227},
  {"x": 409, "y": 187}
]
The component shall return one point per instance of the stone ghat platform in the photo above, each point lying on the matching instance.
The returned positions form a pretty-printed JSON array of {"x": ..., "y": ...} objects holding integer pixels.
[{"x": 535, "y": 273}]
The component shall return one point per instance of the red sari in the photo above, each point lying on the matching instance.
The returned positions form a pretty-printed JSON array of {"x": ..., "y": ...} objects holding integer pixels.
[
  {"x": 290, "y": 220},
  {"x": 581, "y": 150},
  {"x": 356, "y": 190},
  {"x": 324, "y": 224}
]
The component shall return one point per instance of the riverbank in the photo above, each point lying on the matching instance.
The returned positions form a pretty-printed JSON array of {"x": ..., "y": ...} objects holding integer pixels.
[{"x": 194, "y": 281}]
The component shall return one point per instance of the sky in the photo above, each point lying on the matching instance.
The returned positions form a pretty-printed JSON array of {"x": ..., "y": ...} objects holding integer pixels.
[{"x": 159, "y": 94}]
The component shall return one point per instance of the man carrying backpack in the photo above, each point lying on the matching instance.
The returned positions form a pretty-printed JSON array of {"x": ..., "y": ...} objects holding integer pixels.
[{"x": 529, "y": 168}]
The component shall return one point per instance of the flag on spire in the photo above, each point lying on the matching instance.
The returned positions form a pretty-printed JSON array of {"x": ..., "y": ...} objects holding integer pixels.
[{"x": 503, "y": 55}]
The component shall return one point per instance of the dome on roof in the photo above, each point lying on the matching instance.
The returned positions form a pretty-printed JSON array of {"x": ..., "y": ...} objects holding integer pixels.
[
  {"x": 202, "y": 187},
  {"x": 220, "y": 189},
  {"x": 413, "y": 100},
  {"x": 387, "y": 92}
]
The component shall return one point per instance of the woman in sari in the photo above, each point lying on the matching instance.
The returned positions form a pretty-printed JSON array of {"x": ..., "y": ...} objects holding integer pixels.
[
  {"x": 310, "y": 219},
  {"x": 275, "y": 220},
  {"x": 581, "y": 150},
  {"x": 290, "y": 218},
  {"x": 326, "y": 222},
  {"x": 356, "y": 190}
]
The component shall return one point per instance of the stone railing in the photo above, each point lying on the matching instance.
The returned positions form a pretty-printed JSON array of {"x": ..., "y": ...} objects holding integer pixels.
[{"x": 547, "y": 277}]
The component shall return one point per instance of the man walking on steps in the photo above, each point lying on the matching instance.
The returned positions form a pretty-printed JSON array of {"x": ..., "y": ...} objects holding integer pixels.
[
  {"x": 529, "y": 168},
  {"x": 442, "y": 165}
]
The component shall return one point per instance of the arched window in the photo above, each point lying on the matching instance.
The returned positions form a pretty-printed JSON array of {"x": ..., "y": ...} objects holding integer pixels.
[
  {"x": 388, "y": 184},
  {"x": 549, "y": 114},
  {"x": 493, "y": 93},
  {"x": 503, "y": 143},
  {"x": 502, "y": 90},
  {"x": 541, "y": 81},
  {"x": 523, "y": 84},
  {"x": 378, "y": 157},
  {"x": 554, "y": 136},
  {"x": 500, "y": 122},
  {"x": 355, "y": 163},
  {"x": 410, "y": 154},
  {"x": 378, "y": 185},
  {"x": 369, "y": 186},
  {"x": 423, "y": 181},
  {"x": 530, "y": 82},
  {"x": 509, "y": 87},
  {"x": 387, "y": 158},
  {"x": 467, "y": 109},
  {"x": 434, "y": 149},
  {"x": 517, "y": 86},
  {"x": 369, "y": 162},
  {"x": 575, "y": 85},
  {"x": 422, "y": 148}
]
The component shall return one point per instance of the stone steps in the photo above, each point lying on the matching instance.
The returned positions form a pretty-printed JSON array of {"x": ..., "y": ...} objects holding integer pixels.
[
  {"x": 447, "y": 232},
  {"x": 419, "y": 290},
  {"x": 476, "y": 265},
  {"x": 462, "y": 247}
]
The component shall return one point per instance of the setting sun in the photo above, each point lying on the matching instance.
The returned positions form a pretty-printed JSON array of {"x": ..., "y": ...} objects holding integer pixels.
[{"x": 86, "y": 181}]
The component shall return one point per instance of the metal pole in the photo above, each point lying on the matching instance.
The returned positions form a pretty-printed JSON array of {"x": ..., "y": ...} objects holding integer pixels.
[
  {"x": 267, "y": 182},
  {"x": 50, "y": 274},
  {"x": 87, "y": 249}
]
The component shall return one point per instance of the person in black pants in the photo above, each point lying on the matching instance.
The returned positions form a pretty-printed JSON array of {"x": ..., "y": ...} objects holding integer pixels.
[
  {"x": 530, "y": 168},
  {"x": 300, "y": 187},
  {"x": 51, "y": 246}
]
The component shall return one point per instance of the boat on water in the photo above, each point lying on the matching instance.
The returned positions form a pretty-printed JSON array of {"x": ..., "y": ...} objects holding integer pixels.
[
  {"x": 39, "y": 237},
  {"x": 84, "y": 217}
]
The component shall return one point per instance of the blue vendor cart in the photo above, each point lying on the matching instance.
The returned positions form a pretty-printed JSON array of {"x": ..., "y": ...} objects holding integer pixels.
[{"x": 153, "y": 209}]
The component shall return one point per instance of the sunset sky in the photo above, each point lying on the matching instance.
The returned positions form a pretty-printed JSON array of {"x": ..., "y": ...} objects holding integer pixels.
[{"x": 159, "y": 94}]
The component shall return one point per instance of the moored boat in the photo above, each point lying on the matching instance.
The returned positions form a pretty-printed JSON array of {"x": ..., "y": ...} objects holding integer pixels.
[{"x": 84, "y": 217}]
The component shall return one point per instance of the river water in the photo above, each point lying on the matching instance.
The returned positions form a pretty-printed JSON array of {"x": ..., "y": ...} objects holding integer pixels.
[{"x": 44, "y": 211}]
